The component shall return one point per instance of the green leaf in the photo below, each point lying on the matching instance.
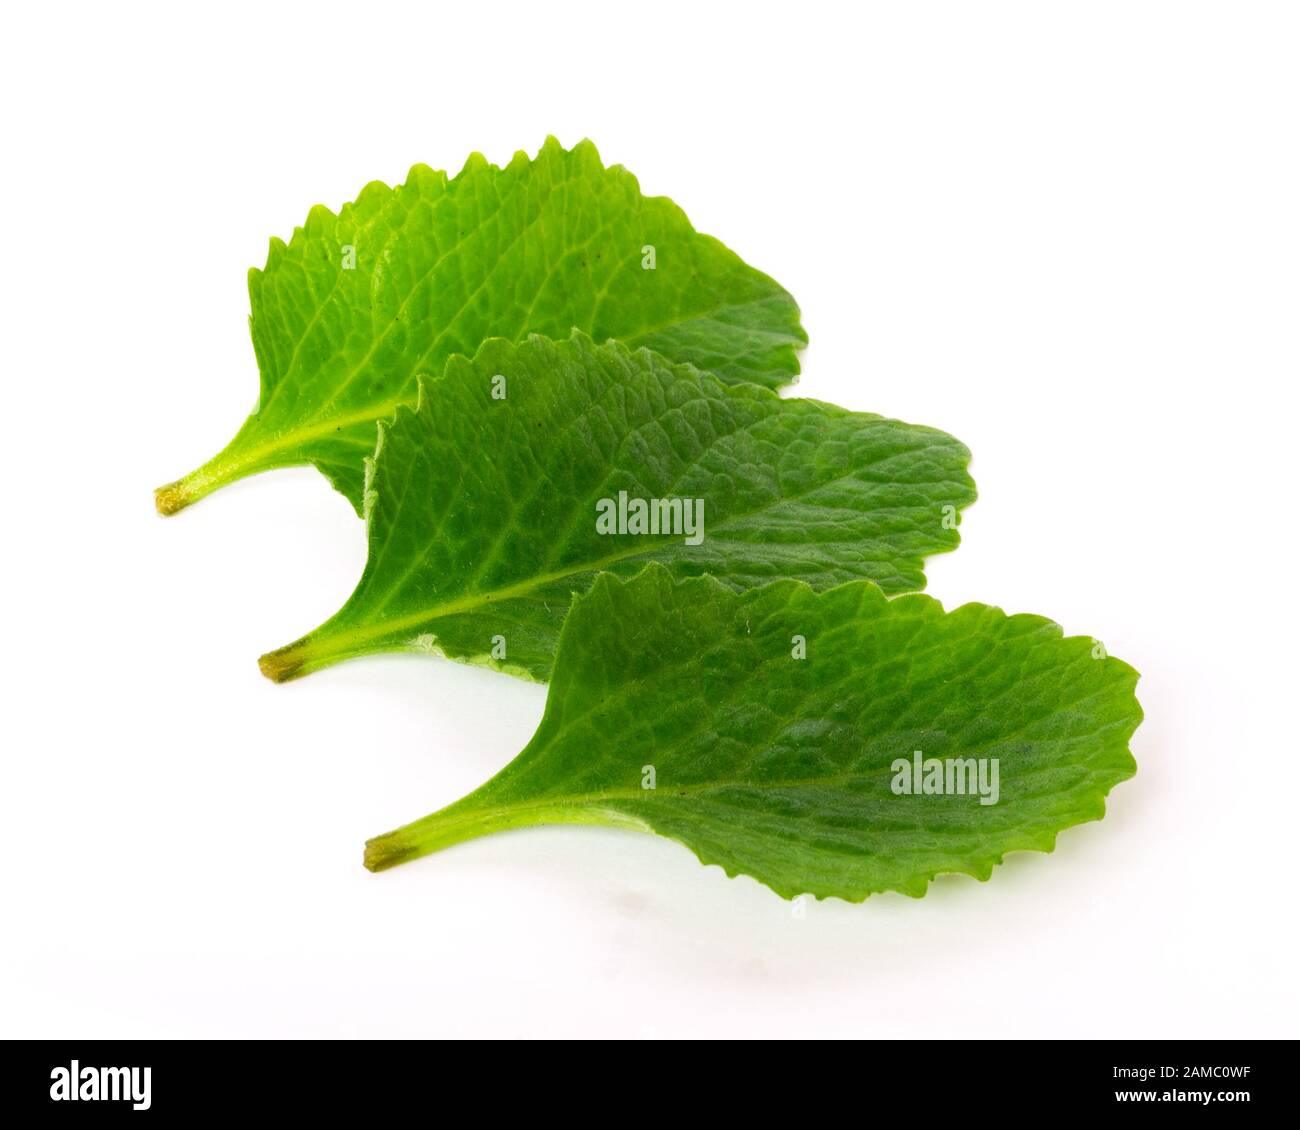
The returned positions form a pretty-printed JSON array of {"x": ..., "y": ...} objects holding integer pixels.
[
  {"x": 350, "y": 312},
  {"x": 784, "y": 768},
  {"x": 483, "y": 503}
]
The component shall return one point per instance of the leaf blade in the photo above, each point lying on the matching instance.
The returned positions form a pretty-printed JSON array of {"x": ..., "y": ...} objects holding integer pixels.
[
  {"x": 782, "y": 768},
  {"x": 439, "y": 264},
  {"x": 481, "y": 513}
]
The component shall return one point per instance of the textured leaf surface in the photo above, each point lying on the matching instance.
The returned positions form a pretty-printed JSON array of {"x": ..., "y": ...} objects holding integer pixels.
[
  {"x": 781, "y": 768},
  {"x": 356, "y": 306},
  {"x": 482, "y": 512}
]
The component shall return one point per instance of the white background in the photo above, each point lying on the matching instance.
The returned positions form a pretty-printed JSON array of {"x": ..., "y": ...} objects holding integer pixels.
[{"x": 1067, "y": 233}]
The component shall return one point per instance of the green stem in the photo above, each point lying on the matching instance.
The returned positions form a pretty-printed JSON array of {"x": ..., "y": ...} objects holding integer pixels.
[
  {"x": 246, "y": 454},
  {"x": 227, "y": 466},
  {"x": 469, "y": 818},
  {"x": 304, "y": 656}
]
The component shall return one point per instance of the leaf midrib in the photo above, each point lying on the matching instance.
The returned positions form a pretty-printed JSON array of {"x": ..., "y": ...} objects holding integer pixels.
[
  {"x": 594, "y": 800},
  {"x": 472, "y": 601},
  {"x": 256, "y": 457}
]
